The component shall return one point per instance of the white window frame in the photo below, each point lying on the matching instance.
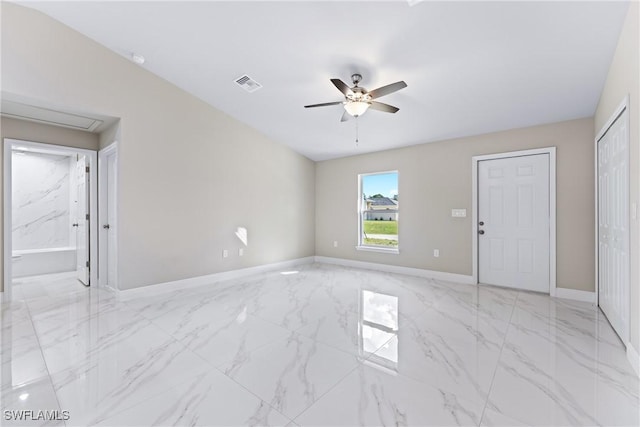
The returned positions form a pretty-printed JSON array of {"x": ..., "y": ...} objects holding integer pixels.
[{"x": 361, "y": 246}]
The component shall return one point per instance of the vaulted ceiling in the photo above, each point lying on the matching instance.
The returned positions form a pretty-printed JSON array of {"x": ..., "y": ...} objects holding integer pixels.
[{"x": 471, "y": 67}]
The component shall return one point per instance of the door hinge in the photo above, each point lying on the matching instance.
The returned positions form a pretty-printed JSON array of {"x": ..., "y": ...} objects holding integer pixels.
[
  {"x": 86, "y": 169},
  {"x": 87, "y": 264},
  {"x": 87, "y": 217}
]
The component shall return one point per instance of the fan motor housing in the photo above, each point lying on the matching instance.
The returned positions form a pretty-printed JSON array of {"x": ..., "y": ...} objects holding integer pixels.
[{"x": 358, "y": 94}]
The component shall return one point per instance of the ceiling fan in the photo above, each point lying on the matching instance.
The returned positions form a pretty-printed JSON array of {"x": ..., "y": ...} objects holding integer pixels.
[{"x": 358, "y": 100}]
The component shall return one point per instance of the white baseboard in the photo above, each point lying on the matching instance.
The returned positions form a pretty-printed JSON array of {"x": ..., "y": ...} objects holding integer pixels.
[
  {"x": 218, "y": 277},
  {"x": 576, "y": 295},
  {"x": 438, "y": 275},
  {"x": 634, "y": 358}
]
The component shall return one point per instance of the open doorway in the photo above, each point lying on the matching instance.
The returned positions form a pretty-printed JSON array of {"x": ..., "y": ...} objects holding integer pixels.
[{"x": 50, "y": 212}]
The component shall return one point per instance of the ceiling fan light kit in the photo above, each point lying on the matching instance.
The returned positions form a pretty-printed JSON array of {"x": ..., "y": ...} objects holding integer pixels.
[{"x": 356, "y": 108}]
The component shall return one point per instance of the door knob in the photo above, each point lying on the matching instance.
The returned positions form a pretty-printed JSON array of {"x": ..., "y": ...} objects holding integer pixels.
[
  {"x": 481, "y": 223},
  {"x": 106, "y": 226},
  {"x": 74, "y": 225},
  {"x": 480, "y": 231}
]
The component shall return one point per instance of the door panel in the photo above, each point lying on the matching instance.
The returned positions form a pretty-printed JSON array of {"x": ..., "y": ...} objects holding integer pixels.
[
  {"x": 526, "y": 250},
  {"x": 111, "y": 216},
  {"x": 497, "y": 254},
  {"x": 82, "y": 211},
  {"x": 496, "y": 205},
  {"x": 525, "y": 205},
  {"x": 513, "y": 204},
  {"x": 613, "y": 225}
]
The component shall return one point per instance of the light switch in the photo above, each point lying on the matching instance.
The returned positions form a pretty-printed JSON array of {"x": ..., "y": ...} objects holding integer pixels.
[{"x": 459, "y": 213}]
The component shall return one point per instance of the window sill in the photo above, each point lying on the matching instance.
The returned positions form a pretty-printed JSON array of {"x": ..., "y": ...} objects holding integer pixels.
[{"x": 395, "y": 251}]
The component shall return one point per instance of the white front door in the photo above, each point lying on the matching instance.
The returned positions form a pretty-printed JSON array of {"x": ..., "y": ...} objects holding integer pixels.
[
  {"x": 613, "y": 225},
  {"x": 82, "y": 220},
  {"x": 513, "y": 222}
]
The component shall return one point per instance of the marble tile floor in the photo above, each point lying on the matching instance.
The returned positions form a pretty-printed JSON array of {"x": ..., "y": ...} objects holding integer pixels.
[{"x": 319, "y": 345}]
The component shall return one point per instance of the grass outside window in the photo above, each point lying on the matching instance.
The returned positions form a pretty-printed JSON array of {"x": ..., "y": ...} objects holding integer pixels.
[{"x": 381, "y": 227}]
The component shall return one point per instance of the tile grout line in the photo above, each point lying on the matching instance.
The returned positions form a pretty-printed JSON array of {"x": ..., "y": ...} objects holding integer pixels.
[
  {"x": 242, "y": 386},
  {"x": 126, "y": 407},
  {"x": 44, "y": 360},
  {"x": 217, "y": 368},
  {"x": 185, "y": 381},
  {"x": 361, "y": 363},
  {"x": 358, "y": 365},
  {"x": 180, "y": 383},
  {"x": 506, "y": 332},
  {"x": 292, "y": 419}
]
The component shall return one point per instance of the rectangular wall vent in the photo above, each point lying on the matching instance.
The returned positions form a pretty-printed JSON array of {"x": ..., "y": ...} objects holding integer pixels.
[{"x": 248, "y": 84}]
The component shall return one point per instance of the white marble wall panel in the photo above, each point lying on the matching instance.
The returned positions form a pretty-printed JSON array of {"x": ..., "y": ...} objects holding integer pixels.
[{"x": 41, "y": 201}]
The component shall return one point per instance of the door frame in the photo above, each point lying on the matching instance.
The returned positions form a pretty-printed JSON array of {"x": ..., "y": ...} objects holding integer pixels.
[
  {"x": 620, "y": 109},
  {"x": 551, "y": 151},
  {"x": 103, "y": 213},
  {"x": 40, "y": 147}
]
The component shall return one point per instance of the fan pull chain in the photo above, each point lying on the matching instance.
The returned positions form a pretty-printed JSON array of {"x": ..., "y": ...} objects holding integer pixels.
[{"x": 356, "y": 132}]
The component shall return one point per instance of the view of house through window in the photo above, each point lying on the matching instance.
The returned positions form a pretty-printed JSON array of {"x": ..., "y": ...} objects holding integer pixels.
[{"x": 379, "y": 209}]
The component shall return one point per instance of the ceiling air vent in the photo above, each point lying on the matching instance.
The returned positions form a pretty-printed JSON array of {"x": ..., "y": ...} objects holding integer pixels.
[{"x": 248, "y": 84}]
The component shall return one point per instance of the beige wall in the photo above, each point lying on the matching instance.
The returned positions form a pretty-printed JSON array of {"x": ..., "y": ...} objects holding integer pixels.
[
  {"x": 37, "y": 132},
  {"x": 436, "y": 177},
  {"x": 624, "y": 79},
  {"x": 109, "y": 135},
  {"x": 189, "y": 174}
]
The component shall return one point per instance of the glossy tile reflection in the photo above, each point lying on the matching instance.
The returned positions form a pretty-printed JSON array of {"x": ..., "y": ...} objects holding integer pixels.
[{"x": 314, "y": 345}]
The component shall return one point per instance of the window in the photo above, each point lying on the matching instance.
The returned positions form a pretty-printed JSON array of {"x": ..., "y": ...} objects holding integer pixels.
[
  {"x": 379, "y": 329},
  {"x": 378, "y": 212}
]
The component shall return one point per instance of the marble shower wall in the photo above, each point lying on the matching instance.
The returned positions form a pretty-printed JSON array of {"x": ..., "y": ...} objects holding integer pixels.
[{"x": 42, "y": 202}]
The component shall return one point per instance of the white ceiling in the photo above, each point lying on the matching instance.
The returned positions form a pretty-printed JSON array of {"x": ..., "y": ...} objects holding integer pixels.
[{"x": 471, "y": 67}]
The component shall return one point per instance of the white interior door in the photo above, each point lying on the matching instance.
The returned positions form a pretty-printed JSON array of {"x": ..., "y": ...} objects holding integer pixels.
[
  {"x": 82, "y": 219},
  {"x": 111, "y": 218},
  {"x": 513, "y": 222},
  {"x": 613, "y": 225}
]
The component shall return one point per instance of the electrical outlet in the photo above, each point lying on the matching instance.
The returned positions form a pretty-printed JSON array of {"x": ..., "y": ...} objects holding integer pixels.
[
  {"x": 335, "y": 243},
  {"x": 436, "y": 253},
  {"x": 225, "y": 253},
  {"x": 240, "y": 252}
]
